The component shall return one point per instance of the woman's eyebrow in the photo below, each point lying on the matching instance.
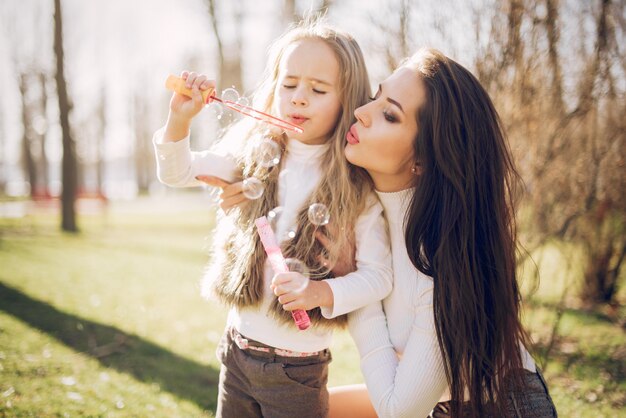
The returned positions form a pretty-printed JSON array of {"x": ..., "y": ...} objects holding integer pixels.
[{"x": 389, "y": 99}]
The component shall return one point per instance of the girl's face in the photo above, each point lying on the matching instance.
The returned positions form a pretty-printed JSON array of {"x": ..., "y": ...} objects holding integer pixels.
[
  {"x": 307, "y": 90},
  {"x": 381, "y": 141}
]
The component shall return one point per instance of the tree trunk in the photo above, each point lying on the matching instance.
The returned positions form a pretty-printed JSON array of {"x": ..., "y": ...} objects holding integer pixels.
[
  {"x": 27, "y": 155},
  {"x": 552, "y": 29},
  {"x": 3, "y": 158},
  {"x": 229, "y": 63},
  {"x": 41, "y": 134},
  {"x": 142, "y": 147},
  {"x": 100, "y": 163},
  {"x": 69, "y": 168},
  {"x": 289, "y": 14},
  {"x": 599, "y": 285}
]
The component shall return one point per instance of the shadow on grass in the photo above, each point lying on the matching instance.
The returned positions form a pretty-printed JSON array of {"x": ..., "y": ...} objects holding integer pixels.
[
  {"x": 116, "y": 349},
  {"x": 585, "y": 316},
  {"x": 587, "y": 365}
]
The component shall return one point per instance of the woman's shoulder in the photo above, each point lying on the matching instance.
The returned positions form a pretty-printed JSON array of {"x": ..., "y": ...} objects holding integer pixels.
[{"x": 372, "y": 208}]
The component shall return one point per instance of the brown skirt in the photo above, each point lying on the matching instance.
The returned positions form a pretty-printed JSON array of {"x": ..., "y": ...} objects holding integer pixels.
[{"x": 532, "y": 401}]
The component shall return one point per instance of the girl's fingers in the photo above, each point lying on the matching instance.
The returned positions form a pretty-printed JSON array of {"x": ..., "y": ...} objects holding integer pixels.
[
  {"x": 196, "y": 95},
  {"x": 291, "y": 306},
  {"x": 199, "y": 81},
  {"x": 278, "y": 291},
  {"x": 208, "y": 84},
  {"x": 286, "y": 298},
  {"x": 281, "y": 278},
  {"x": 190, "y": 79}
]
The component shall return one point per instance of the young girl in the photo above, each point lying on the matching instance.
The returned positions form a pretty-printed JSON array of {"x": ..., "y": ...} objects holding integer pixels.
[
  {"x": 315, "y": 78},
  {"x": 450, "y": 329}
]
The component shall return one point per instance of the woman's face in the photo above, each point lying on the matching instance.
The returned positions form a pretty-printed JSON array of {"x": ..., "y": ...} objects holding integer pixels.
[{"x": 381, "y": 141}]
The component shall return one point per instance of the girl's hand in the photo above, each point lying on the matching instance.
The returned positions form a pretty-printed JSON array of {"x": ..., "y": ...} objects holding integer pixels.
[
  {"x": 188, "y": 107},
  {"x": 183, "y": 108},
  {"x": 346, "y": 263},
  {"x": 231, "y": 194},
  {"x": 296, "y": 291}
]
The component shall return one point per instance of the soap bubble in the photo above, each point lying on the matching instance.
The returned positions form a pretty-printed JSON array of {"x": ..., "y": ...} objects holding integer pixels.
[
  {"x": 253, "y": 188},
  {"x": 290, "y": 234},
  {"x": 268, "y": 153},
  {"x": 243, "y": 101},
  {"x": 273, "y": 216},
  {"x": 318, "y": 214},
  {"x": 217, "y": 109},
  {"x": 297, "y": 266},
  {"x": 230, "y": 94}
]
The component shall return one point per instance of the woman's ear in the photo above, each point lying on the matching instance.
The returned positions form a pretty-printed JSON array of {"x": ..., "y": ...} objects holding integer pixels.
[{"x": 416, "y": 169}]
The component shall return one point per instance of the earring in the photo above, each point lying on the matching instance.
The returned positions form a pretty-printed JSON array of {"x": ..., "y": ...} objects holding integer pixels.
[{"x": 414, "y": 169}]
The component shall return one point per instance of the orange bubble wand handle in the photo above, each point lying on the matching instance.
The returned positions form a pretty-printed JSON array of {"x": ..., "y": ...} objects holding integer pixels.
[{"x": 177, "y": 84}]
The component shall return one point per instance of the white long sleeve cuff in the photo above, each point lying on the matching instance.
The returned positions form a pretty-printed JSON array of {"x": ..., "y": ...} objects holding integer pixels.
[
  {"x": 178, "y": 166},
  {"x": 373, "y": 279}
]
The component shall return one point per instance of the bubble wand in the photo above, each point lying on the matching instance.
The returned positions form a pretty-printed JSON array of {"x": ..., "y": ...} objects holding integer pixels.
[
  {"x": 177, "y": 84},
  {"x": 276, "y": 259}
]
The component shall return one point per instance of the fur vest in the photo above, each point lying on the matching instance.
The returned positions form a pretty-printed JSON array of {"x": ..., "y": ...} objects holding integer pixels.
[{"x": 235, "y": 274}]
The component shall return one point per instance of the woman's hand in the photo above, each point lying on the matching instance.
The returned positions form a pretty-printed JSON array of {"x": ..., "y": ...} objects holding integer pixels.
[
  {"x": 346, "y": 263},
  {"x": 296, "y": 291},
  {"x": 231, "y": 194}
]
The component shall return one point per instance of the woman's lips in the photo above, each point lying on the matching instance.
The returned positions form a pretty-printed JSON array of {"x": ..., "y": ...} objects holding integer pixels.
[{"x": 352, "y": 137}]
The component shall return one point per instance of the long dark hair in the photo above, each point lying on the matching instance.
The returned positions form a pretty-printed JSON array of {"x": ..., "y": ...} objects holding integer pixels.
[{"x": 460, "y": 230}]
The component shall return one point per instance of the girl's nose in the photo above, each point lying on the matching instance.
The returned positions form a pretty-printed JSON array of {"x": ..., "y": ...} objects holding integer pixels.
[{"x": 299, "y": 97}]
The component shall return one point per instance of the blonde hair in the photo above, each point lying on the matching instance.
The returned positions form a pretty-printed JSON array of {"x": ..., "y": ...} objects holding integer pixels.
[{"x": 343, "y": 188}]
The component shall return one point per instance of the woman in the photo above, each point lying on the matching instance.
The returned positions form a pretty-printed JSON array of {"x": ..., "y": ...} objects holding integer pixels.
[{"x": 434, "y": 147}]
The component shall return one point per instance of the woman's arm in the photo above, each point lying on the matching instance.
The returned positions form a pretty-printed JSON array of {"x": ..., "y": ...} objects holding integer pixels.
[
  {"x": 373, "y": 278},
  {"x": 409, "y": 386},
  {"x": 350, "y": 401},
  {"x": 370, "y": 282}
]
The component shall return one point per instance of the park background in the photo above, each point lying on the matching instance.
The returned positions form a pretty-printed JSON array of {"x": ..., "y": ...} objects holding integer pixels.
[{"x": 100, "y": 312}]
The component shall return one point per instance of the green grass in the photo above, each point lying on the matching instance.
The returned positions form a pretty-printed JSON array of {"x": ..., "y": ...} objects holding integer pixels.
[
  {"x": 586, "y": 365},
  {"x": 110, "y": 323}
]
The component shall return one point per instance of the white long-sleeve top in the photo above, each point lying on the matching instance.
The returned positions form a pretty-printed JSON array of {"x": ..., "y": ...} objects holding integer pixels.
[
  {"x": 178, "y": 166},
  {"x": 400, "y": 357}
]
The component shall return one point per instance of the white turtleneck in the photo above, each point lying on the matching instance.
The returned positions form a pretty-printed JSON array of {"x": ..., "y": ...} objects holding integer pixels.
[
  {"x": 397, "y": 340},
  {"x": 178, "y": 166}
]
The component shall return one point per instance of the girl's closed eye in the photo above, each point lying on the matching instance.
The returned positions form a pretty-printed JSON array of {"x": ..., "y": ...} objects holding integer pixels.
[
  {"x": 319, "y": 91},
  {"x": 289, "y": 86}
]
